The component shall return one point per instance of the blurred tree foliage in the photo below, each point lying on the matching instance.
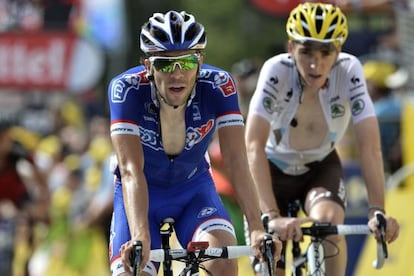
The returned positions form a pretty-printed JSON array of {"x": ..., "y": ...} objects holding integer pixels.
[{"x": 235, "y": 29}]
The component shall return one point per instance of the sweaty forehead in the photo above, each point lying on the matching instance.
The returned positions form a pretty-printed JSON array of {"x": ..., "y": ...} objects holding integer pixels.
[{"x": 318, "y": 46}]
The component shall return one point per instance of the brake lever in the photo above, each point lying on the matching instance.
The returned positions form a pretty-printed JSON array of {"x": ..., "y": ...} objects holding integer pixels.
[
  {"x": 382, "y": 226},
  {"x": 135, "y": 257},
  {"x": 268, "y": 251}
]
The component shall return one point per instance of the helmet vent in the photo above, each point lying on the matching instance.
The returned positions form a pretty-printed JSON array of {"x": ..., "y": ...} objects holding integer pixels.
[
  {"x": 319, "y": 19},
  {"x": 160, "y": 34},
  {"x": 191, "y": 32},
  {"x": 305, "y": 26},
  {"x": 176, "y": 32},
  {"x": 334, "y": 23}
]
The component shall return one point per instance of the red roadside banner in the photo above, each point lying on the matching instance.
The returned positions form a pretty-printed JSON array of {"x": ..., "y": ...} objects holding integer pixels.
[{"x": 48, "y": 61}]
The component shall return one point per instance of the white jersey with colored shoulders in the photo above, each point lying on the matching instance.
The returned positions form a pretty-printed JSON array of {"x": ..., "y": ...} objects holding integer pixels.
[{"x": 277, "y": 98}]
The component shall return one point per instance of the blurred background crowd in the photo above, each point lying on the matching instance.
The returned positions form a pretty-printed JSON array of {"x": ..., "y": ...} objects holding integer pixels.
[{"x": 57, "y": 57}]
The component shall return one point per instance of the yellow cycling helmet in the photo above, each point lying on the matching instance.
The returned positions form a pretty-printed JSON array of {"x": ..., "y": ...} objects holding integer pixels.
[{"x": 318, "y": 22}]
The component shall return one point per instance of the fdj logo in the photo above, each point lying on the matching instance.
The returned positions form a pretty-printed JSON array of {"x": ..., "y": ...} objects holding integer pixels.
[{"x": 206, "y": 211}]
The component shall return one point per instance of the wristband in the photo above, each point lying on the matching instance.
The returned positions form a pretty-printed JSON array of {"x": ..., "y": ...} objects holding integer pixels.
[{"x": 376, "y": 208}]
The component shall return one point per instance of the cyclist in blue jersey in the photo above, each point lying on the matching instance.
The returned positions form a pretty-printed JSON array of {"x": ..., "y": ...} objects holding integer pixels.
[
  {"x": 300, "y": 110},
  {"x": 163, "y": 115}
]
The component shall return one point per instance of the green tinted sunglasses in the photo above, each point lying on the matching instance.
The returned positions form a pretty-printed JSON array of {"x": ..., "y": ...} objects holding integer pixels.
[{"x": 167, "y": 64}]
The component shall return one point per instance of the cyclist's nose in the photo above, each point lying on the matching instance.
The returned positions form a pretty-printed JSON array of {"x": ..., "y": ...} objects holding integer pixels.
[{"x": 313, "y": 62}]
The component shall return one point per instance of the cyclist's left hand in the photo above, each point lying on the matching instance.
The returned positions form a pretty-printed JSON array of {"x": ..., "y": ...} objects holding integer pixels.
[
  {"x": 392, "y": 229},
  {"x": 257, "y": 241}
]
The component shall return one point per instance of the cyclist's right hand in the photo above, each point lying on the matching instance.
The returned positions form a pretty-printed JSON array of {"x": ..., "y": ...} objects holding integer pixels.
[
  {"x": 128, "y": 247},
  {"x": 257, "y": 238},
  {"x": 392, "y": 228},
  {"x": 288, "y": 228}
]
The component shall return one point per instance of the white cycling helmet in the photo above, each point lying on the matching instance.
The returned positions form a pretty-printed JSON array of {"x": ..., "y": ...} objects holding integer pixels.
[{"x": 172, "y": 31}]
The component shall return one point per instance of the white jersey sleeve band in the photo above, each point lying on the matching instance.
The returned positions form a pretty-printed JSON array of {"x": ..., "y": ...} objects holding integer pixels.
[{"x": 124, "y": 128}]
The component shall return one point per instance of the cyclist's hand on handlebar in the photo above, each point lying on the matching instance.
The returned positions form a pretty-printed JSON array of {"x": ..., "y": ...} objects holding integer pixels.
[
  {"x": 392, "y": 228},
  {"x": 126, "y": 251},
  {"x": 288, "y": 228},
  {"x": 257, "y": 238}
]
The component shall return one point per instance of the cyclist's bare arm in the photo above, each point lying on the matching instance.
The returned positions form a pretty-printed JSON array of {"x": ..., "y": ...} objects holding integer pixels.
[
  {"x": 367, "y": 137},
  {"x": 233, "y": 149},
  {"x": 130, "y": 158},
  {"x": 257, "y": 129}
]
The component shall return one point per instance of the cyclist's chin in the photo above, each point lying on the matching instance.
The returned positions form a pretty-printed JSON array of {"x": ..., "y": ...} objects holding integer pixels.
[
  {"x": 315, "y": 83},
  {"x": 179, "y": 98}
]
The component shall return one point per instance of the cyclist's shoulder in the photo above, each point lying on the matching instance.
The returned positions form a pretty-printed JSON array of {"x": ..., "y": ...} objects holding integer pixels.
[
  {"x": 281, "y": 65},
  {"x": 282, "y": 61},
  {"x": 134, "y": 79},
  {"x": 347, "y": 63},
  {"x": 215, "y": 79},
  {"x": 134, "y": 76},
  {"x": 210, "y": 73}
]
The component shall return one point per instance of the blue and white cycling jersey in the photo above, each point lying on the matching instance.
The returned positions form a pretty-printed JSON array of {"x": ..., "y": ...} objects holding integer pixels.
[
  {"x": 180, "y": 187},
  {"x": 135, "y": 110}
]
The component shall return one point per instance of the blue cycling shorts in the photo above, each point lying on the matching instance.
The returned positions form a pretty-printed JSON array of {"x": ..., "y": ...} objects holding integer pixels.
[{"x": 195, "y": 206}]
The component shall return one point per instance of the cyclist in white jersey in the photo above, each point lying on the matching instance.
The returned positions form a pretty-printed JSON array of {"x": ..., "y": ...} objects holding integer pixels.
[{"x": 301, "y": 108}]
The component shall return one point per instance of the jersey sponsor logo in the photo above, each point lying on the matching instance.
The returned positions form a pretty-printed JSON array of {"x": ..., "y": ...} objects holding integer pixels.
[
  {"x": 121, "y": 87},
  {"x": 124, "y": 128},
  {"x": 337, "y": 110},
  {"x": 289, "y": 95},
  {"x": 204, "y": 74},
  {"x": 223, "y": 81},
  {"x": 357, "y": 107},
  {"x": 357, "y": 95},
  {"x": 334, "y": 99},
  {"x": 149, "y": 138},
  {"x": 272, "y": 82},
  {"x": 196, "y": 135},
  {"x": 356, "y": 82},
  {"x": 270, "y": 94},
  {"x": 196, "y": 112},
  {"x": 206, "y": 212},
  {"x": 268, "y": 104},
  {"x": 342, "y": 192}
]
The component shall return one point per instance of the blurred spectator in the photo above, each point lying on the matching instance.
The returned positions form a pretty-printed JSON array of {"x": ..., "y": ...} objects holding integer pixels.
[
  {"x": 81, "y": 207},
  {"x": 20, "y": 15},
  {"x": 373, "y": 26},
  {"x": 388, "y": 109},
  {"x": 23, "y": 199},
  {"x": 245, "y": 73},
  {"x": 57, "y": 13}
]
